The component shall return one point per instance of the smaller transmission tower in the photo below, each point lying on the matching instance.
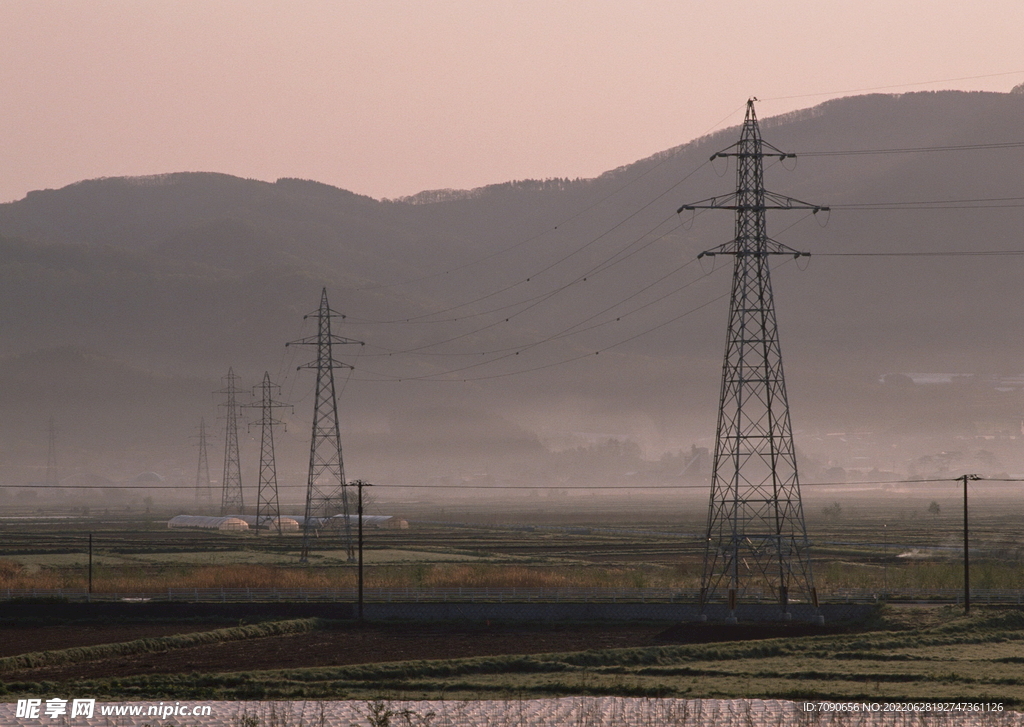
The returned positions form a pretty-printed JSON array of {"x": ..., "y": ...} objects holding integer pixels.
[
  {"x": 326, "y": 488},
  {"x": 232, "y": 501},
  {"x": 204, "y": 489},
  {"x": 268, "y": 506},
  {"x": 52, "y": 475}
]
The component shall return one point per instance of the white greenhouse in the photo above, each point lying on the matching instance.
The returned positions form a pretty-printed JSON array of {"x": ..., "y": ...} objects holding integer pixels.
[{"x": 207, "y": 522}]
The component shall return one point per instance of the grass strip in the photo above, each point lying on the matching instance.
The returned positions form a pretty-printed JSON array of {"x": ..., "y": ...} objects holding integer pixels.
[{"x": 81, "y": 654}]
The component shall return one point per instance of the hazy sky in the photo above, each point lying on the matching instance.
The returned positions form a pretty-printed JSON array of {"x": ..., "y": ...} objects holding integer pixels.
[{"x": 391, "y": 98}]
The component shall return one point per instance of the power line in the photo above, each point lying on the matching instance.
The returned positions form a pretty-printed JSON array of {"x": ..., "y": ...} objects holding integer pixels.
[
  {"x": 578, "y": 357},
  {"x": 184, "y": 488},
  {"x": 954, "y": 253},
  {"x": 570, "y": 329},
  {"x": 622, "y": 255},
  {"x": 433, "y": 377},
  {"x": 541, "y": 298},
  {"x": 671, "y": 487},
  {"x": 515, "y": 246},
  {"x": 574, "y": 329},
  {"x": 595, "y": 269},
  {"x": 529, "y": 278},
  {"x": 663, "y": 158},
  {"x": 914, "y": 149},
  {"x": 975, "y": 203}
]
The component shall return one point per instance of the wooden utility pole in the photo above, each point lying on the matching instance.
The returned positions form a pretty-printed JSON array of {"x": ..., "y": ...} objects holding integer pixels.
[
  {"x": 967, "y": 557},
  {"x": 359, "y": 485}
]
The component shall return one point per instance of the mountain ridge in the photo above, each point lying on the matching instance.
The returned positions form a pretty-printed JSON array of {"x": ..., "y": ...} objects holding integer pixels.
[{"x": 188, "y": 273}]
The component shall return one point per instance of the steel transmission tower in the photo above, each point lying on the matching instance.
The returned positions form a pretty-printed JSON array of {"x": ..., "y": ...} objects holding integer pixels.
[
  {"x": 204, "y": 491},
  {"x": 756, "y": 536},
  {"x": 268, "y": 506},
  {"x": 232, "y": 501},
  {"x": 326, "y": 489}
]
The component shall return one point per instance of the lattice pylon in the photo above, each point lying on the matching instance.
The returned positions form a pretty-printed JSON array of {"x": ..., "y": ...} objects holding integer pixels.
[
  {"x": 268, "y": 505},
  {"x": 756, "y": 535},
  {"x": 326, "y": 488},
  {"x": 204, "y": 488},
  {"x": 232, "y": 497}
]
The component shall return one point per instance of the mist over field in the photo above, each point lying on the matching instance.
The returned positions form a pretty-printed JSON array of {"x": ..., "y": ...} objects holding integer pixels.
[{"x": 554, "y": 332}]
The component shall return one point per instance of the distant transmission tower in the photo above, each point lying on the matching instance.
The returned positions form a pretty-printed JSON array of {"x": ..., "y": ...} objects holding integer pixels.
[
  {"x": 756, "y": 537},
  {"x": 326, "y": 490},
  {"x": 232, "y": 501},
  {"x": 268, "y": 506},
  {"x": 52, "y": 476},
  {"x": 204, "y": 490}
]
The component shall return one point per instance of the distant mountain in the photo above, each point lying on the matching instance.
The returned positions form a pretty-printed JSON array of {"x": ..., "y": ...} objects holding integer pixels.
[{"x": 181, "y": 275}]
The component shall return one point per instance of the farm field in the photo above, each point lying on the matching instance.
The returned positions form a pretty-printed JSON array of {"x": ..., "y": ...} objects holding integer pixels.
[
  {"x": 876, "y": 542},
  {"x": 242, "y": 652},
  {"x": 319, "y": 644},
  {"x": 904, "y": 653}
]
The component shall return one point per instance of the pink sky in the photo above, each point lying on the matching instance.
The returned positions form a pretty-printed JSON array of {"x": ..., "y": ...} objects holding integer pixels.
[{"x": 391, "y": 98}]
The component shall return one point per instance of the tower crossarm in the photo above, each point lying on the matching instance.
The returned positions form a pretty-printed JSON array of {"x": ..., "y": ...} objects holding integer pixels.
[
  {"x": 316, "y": 341},
  {"x": 739, "y": 149},
  {"x": 329, "y": 363},
  {"x": 734, "y": 201},
  {"x": 266, "y": 404},
  {"x": 771, "y": 247},
  {"x": 324, "y": 342}
]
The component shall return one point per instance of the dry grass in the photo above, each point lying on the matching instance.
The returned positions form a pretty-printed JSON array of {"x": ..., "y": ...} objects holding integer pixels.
[
  {"x": 828, "y": 576},
  {"x": 15, "y": 575},
  {"x": 481, "y": 575},
  {"x": 442, "y": 575},
  {"x": 915, "y": 574},
  {"x": 222, "y": 576}
]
